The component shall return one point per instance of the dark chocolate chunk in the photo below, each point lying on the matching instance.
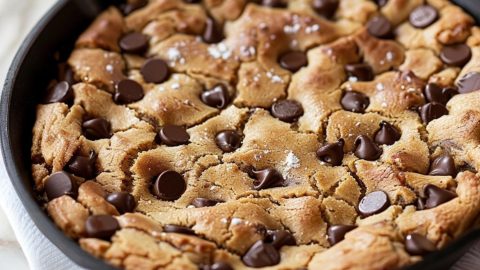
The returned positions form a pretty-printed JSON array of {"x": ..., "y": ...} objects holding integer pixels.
[
  {"x": 127, "y": 91},
  {"x": 155, "y": 71},
  {"x": 274, "y": 3},
  {"x": 366, "y": 149},
  {"x": 387, "y": 134},
  {"x": 61, "y": 92},
  {"x": 96, "y": 128},
  {"x": 326, "y": 8},
  {"x": 174, "y": 135},
  {"x": 82, "y": 166},
  {"x": 170, "y": 228},
  {"x": 469, "y": 83},
  {"x": 192, "y": 1},
  {"x": 261, "y": 254},
  {"x": 456, "y": 55},
  {"x": 101, "y": 226},
  {"x": 432, "y": 111},
  {"x": 280, "y": 238},
  {"x": 59, "y": 184},
  {"x": 213, "y": 32},
  {"x": 417, "y": 244},
  {"x": 293, "y": 60},
  {"x": 123, "y": 201},
  {"x": 443, "y": 165},
  {"x": 373, "y": 203},
  {"x": 380, "y": 27},
  {"x": 434, "y": 93},
  {"x": 228, "y": 140},
  {"x": 267, "y": 178},
  {"x": 436, "y": 196},
  {"x": 134, "y": 43},
  {"x": 287, "y": 110},
  {"x": 203, "y": 202},
  {"x": 355, "y": 101},
  {"x": 169, "y": 186},
  {"x": 217, "y": 97},
  {"x": 332, "y": 153},
  {"x": 362, "y": 71},
  {"x": 336, "y": 233},
  {"x": 423, "y": 16}
]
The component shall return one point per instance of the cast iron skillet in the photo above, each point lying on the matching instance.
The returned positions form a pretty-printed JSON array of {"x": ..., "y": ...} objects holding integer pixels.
[{"x": 27, "y": 78}]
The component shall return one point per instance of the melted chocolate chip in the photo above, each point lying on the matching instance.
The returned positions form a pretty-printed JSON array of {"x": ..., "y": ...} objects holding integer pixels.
[
  {"x": 59, "y": 184},
  {"x": 326, "y": 8},
  {"x": 97, "y": 128},
  {"x": 101, "y": 226},
  {"x": 287, "y": 110},
  {"x": 387, "y": 134},
  {"x": 417, "y": 244},
  {"x": 381, "y": 3},
  {"x": 261, "y": 254},
  {"x": 362, "y": 71},
  {"x": 373, "y": 203},
  {"x": 134, "y": 43},
  {"x": 228, "y": 140},
  {"x": 174, "y": 135},
  {"x": 267, "y": 178},
  {"x": 332, "y": 153},
  {"x": 443, "y": 165},
  {"x": 432, "y": 111},
  {"x": 336, "y": 233},
  {"x": 123, "y": 201},
  {"x": 456, "y": 55},
  {"x": 293, "y": 61},
  {"x": 436, "y": 196},
  {"x": 469, "y": 83},
  {"x": 131, "y": 6},
  {"x": 280, "y": 238},
  {"x": 423, "y": 16},
  {"x": 169, "y": 186},
  {"x": 178, "y": 229},
  {"x": 274, "y": 3},
  {"x": 155, "y": 71},
  {"x": 380, "y": 27},
  {"x": 434, "y": 93},
  {"x": 61, "y": 92},
  {"x": 355, "y": 101},
  {"x": 213, "y": 32},
  {"x": 217, "y": 97},
  {"x": 366, "y": 149},
  {"x": 127, "y": 91},
  {"x": 82, "y": 166},
  {"x": 203, "y": 202}
]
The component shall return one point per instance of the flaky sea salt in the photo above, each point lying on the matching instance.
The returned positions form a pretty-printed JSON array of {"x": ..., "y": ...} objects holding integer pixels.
[
  {"x": 291, "y": 161},
  {"x": 219, "y": 51}
]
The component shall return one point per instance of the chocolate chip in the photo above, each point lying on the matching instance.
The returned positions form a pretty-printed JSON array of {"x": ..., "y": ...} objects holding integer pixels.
[
  {"x": 174, "y": 135},
  {"x": 61, "y": 92},
  {"x": 456, "y": 55},
  {"x": 293, "y": 60},
  {"x": 423, "y": 16},
  {"x": 131, "y": 6},
  {"x": 420, "y": 204},
  {"x": 217, "y": 266},
  {"x": 217, "y": 97},
  {"x": 97, "y": 128},
  {"x": 387, "y": 134},
  {"x": 366, "y": 149},
  {"x": 469, "y": 83},
  {"x": 380, "y": 27},
  {"x": 101, "y": 226},
  {"x": 434, "y": 93},
  {"x": 261, "y": 254},
  {"x": 203, "y": 202},
  {"x": 336, "y": 233},
  {"x": 155, "y": 71},
  {"x": 267, "y": 178},
  {"x": 326, "y": 8},
  {"x": 362, "y": 71},
  {"x": 355, "y": 101},
  {"x": 417, "y": 244},
  {"x": 192, "y": 1},
  {"x": 373, "y": 203},
  {"x": 274, "y": 3},
  {"x": 59, "y": 184},
  {"x": 178, "y": 229},
  {"x": 213, "y": 32},
  {"x": 82, "y": 166},
  {"x": 228, "y": 140},
  {"x": 280, "y": 238},
  {"x": 332, "y": 153},
  {"x": 134, "y": 43},
  {"x": 123, "y": 201},
  {"x": 381, "y": 3},
  {"x": 169, "y": 186},
  {"x": 432, "y": 111},
  {"x": 127, "y": 91},
  {"x": 287, "y": 110},
  {"x": 436, "y": 196},
  {"x": 443, "y": 165}
]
